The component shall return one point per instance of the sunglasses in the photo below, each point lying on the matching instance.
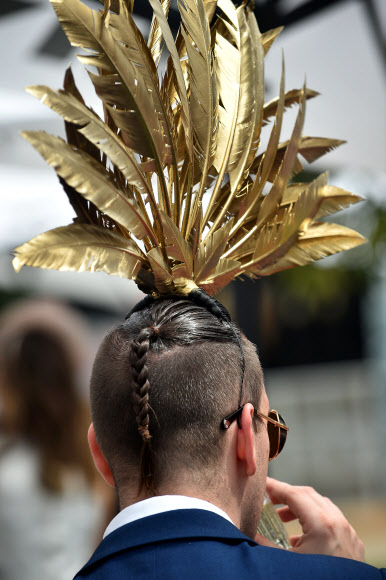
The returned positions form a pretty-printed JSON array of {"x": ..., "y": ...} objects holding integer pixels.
[{"x": 277, "y": 429}]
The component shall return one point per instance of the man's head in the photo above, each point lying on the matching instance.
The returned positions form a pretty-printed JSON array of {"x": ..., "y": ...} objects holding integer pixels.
[{"x": 176, "y": 368}]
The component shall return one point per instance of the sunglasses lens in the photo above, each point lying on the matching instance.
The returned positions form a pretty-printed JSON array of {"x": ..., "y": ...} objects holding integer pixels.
[
  {"x": 274, "y": 435},
  {"x": 283, "y": 434}
]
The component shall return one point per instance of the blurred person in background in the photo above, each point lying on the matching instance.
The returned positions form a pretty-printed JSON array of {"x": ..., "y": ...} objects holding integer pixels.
[{"x": 53, "y": 508}]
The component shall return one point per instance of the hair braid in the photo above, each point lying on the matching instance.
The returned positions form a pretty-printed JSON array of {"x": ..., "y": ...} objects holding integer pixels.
[
  {"x": 140, "y": 373},
  {"x": 141, "y": 305},
  {"x": 201, "y": 298}
]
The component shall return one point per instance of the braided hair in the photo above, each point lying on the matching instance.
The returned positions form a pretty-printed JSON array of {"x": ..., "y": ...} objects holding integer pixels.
[
  {"x": 141, "y": 384},
  {"x": 140, "y": 372},
  {"x": 185, "y": 359}
]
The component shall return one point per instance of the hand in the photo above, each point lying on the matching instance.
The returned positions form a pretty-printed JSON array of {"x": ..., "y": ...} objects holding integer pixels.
[{"x": 325, "y": 529}]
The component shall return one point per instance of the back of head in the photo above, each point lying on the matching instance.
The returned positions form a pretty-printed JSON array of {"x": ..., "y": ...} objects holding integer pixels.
[{"x": 161, "y": 384}]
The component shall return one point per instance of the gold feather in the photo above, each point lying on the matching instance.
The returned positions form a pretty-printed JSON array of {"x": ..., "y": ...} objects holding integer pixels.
[
  {"x": 85, "y": 175},
  {"x": 320, "y": 240},
  {"x": 177, "y": 248},
  {"x": 175, "y": 59},
  {"x": 278, "y": 235},
  {"x": 290, "y": 98},
  {"x": 121, "y": 82},
  {"x": 269, "y": 37},
  {"x": 177, "y": 162},
  {"x": 311, "y": 148},
  {"x": 210, "y": 251},
  {"x": 258, "y": 49},
  {"x": 114, "y": 5},
  {"x": 126, "y": 33},
  {"x": 79, "y": 248},
  {"x": 160, "y": 268},
  {"x": 155, "y": 35},
  {"x": 224, "y": 272},
  {"x": 97, "y": 132},
  {"x": 203, "y": 92},
  {"x": 228, "y": 70},
  {"x": 240, "y": 63},
  {"x": 333, "y": 199},
  {"x": 284, "y": 174},
  {"x": 262, "y": 170},
  {"x": 203, "y": 102}
]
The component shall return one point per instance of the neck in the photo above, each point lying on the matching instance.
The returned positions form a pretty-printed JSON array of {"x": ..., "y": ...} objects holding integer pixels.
[{"x": 216, "y": 491}]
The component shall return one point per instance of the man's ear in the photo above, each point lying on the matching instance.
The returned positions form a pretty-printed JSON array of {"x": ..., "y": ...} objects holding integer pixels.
[
  {"x": 246, "y": 440},
  {"x": 99, "y": 460}
]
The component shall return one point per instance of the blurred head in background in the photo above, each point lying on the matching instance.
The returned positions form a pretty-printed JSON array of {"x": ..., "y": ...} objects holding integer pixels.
[
  {"x": 41, "y": 352},
  {"x": 53, "y": 506}
]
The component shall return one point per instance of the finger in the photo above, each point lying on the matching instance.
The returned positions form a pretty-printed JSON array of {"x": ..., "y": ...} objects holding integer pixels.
[
  {"x": 276, "y": 489},
  {"x": 325, "y": 529},
  {"x": 294, "y": 540},
  {"x": 263, "y": 541},
  {"x": 285, "y": 514},
  {"x": 270, "y": 484},
  {"x": 302, "y": 501}
]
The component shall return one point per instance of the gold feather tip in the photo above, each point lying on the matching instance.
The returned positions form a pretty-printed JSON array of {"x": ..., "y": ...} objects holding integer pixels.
[{"x": 171, "y": 188}]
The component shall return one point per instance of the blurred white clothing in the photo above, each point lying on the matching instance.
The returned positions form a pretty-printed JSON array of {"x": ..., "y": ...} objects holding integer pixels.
[{"x": 43, "y": 535}]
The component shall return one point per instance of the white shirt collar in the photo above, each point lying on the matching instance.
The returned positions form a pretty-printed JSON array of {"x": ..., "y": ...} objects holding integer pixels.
[{"x": 159, "y": 504}]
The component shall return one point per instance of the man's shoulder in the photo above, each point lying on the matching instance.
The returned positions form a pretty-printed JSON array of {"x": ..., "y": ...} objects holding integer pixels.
[{"x": 198, "y": 544}]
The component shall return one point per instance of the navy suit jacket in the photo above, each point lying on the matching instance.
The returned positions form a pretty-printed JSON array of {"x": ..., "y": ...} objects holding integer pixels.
[{"x": 195, "y": 544}]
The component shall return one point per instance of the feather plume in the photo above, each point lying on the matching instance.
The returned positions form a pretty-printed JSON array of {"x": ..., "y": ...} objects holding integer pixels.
[
  {"x": 290, "y": 98},
  {"x": 155, "y": 34},
  {"x": 320, "y": 240},
  {"x": 269, "y": 37},
  {"x": 172, "y": 188},
  {"x": 81, "y": 248},
  {"x": 92, "y": 181}
]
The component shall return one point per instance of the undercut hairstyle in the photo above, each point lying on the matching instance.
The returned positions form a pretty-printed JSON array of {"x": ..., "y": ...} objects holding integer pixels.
[{"x": 161, "y": 384}]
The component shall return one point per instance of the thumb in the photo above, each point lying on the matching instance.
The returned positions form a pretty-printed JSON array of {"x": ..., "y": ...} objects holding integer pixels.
[{"x": 263, "y": 541}]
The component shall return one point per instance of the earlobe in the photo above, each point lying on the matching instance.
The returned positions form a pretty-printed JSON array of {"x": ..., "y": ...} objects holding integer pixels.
[
  {"x": 99, "y": 460},
  {"x": 246, "y": 440}
]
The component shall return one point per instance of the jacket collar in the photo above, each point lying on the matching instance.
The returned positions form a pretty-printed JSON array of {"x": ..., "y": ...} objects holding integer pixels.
[{"x": 173, "y": 525}]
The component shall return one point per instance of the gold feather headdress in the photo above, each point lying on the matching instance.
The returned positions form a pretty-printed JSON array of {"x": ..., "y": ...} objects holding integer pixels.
[{"x": 171, "y": 188}]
